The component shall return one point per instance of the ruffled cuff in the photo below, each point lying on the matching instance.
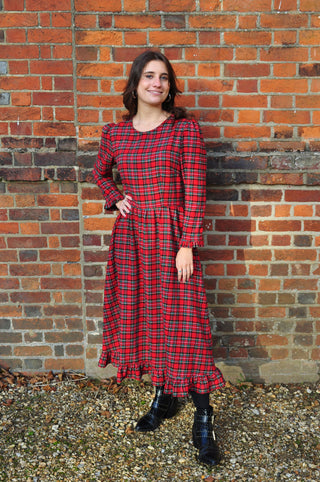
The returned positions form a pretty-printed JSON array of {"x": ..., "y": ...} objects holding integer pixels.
[
  {"x": 113, "y": 198},
  {"x": 191, "y": 241}
]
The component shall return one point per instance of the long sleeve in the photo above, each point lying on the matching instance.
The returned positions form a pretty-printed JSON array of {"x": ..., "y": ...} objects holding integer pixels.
[
  {"x": 193, "y": 169},
  {"x": 102, "y": 171}
]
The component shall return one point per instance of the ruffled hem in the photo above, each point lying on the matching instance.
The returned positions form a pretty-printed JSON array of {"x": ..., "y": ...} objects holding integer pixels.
[{"x": 177, "y": 387}]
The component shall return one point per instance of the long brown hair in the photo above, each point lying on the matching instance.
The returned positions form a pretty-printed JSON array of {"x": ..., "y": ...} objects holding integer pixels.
[{"x": 130, "y": 100}]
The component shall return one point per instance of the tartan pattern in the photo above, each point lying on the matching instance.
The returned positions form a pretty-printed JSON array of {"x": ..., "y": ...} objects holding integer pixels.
[{"x": 153, "y": 323}]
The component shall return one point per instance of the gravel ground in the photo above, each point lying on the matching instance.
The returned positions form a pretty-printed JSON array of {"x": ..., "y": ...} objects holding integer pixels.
[{"x": 66, "y": 427}]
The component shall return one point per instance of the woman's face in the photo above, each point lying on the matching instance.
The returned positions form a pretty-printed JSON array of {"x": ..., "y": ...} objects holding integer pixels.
[{"x": 153, "y": 87}]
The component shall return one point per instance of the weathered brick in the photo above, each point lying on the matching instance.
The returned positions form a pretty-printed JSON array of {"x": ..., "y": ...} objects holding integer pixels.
[{"x": 35, "y": 351}]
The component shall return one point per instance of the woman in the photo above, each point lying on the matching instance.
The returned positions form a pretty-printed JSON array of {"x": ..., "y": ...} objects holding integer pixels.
[{"x": 155, "y": 308}]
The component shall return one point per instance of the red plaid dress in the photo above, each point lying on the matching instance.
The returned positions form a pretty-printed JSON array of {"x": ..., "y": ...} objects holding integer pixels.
[{"x": 153, "y": 323}]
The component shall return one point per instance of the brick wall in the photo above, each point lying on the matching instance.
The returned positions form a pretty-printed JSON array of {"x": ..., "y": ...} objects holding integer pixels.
[{"x": 250, "y": 74}]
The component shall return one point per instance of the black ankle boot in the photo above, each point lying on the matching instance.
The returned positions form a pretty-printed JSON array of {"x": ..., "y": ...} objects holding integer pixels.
[
  {"x": 204, "y": 438},
  {"x": 163, "y": 406}
]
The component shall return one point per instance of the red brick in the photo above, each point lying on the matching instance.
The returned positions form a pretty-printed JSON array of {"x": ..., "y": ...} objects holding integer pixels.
[
  {"x": 306, "y": 196},
  {"x": 309, "y": 37},
  {"x": 258, "y": 270},
  {"x": 249, "y": 117},
  {"x": 134, "y": 5},
  {"x": 284, "y": 70},
  {"x": 210, "y": 21},
  {"x": 54, "y": 129},
  {"x": 8, "y": 284},
  {"x": 99, "y": 224},
  {"x": 295, "y": 254},
  {"x": 230, "y": 225},
  {"x": 284, "y": 85},
  {"x": 271, "y": 340},
  {"x": 137, "y": 21},
  {"x": 252, "y": 254},
  {"x": 112, "y": 38},
  {"x": 210, "y": 5},
  {"x": 248, "y": 21},
  {"x": 285, "y": 38},
  {"x": 303, "y": 211},
  {"x": 50, "y": 5},
  {"x": 64, "y": 364},
  {"x": 18, "y": 20},
  {"x": 60, "y": 284},
  {"x": 16, "y": 36},
  {"x": 135, "y": 38},
  {"x": 54, "y": 67},
  {"x": 285, "y": 117},
  {"x": 246, "y": 101},
  {"x": 208, "y": 54},
  {"x": 29, "y": 297},
  {"x": 248, "y": 6},
  {"x": 281, "y": 240},
  {"x": 247, "y": 38},
  {"x": 248, "y": 131},
  {"x": 246, "y": 146},
  {"x": 97, "y": 6},
  {"x": 34, "y": 351},
  {"x": 282, "y": 146},
  {"x": 13, "y": 5},
  {"x": 309, "y": 132},
  {"x": 243, "y": 312},
  {"x": 261, "y": 195},
  {"x": 246, "y": 54},
  {"x": 309, "y": 6},
  {"x": 9, "y": 228},
  {"x": 67, "y": 255},
  {"x": 285, "y": 5},
  {"x": 50, "y": 35},
  {"x": 280, "y": 226},
  {"x": 260, "y": 211},
  {"x": 173, "y": 5},
  {"x": 283, "y": 20},
  {"x": 54, "y": 98},
  {"x": 60, "y": 337},
  {"x": 308, "y": 102},
  {"x": 237, "y": 240},
  {"x": 247, "y": 70},
  {"x": 174, "y": 38},
  {"x": 19, "y": 52}
]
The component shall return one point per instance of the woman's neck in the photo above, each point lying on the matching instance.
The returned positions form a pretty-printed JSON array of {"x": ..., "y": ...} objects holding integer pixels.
[{"x": 149, "y": 118}]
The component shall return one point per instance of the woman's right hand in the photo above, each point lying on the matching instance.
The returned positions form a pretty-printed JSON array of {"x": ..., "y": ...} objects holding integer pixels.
[{"x": 124, "y": 205}]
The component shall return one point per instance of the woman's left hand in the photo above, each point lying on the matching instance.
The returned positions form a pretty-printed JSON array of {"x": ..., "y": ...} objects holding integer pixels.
[{"x": 184, "y": 264}]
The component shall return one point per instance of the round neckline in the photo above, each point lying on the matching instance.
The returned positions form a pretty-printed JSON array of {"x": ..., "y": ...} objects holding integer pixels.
[{"x": 151, "y": 130}]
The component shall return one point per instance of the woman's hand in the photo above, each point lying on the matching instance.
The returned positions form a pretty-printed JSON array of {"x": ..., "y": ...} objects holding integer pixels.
[
  {"x": 184, "y": 264},
  {"x": 124, "y": 205}
]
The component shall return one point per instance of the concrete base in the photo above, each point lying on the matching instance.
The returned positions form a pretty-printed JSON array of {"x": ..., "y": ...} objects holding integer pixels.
[
  {"x": 290, "y": 371},
  {"x": 281, "y": 371},
  {"x": 92, "y": 370}
]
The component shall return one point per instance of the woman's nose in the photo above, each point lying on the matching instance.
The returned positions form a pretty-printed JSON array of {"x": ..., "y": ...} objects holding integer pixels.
[{"x": 156, "y": 81}]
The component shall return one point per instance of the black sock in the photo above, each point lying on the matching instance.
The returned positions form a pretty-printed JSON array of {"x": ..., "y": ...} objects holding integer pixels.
[{"x": 200, "y": 400}]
